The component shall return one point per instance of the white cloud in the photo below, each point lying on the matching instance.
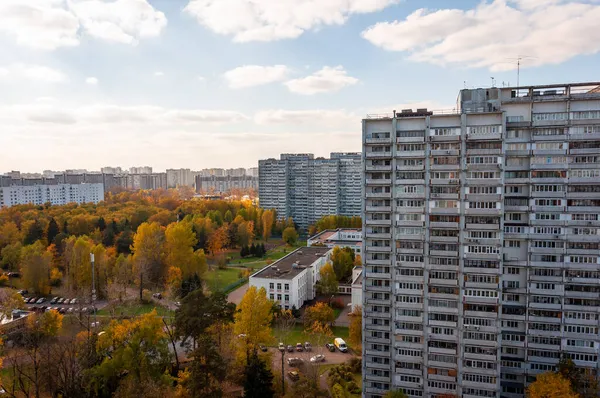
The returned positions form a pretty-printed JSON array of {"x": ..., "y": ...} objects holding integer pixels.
[
  {"x": 550, "y": 31},
  {"x": 201, "y": 78},
  {"x": 91, "y": 81},
  {"x": 35, "y": 73},
  {"x": 50, "y": 24},
  {"x": 255, "y": 75},
  {"x": 325, "y": 80},
  {"x": 159, "y": 74},
  {"x": 268, "y": 20},
  {"x": 313, "y": 117}
]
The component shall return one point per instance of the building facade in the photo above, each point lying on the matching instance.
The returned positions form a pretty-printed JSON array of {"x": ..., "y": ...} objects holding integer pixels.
[
  {"x": 59, "y": 194},
  {"x": 225, "y": 184},
  {"x": 481, "y": 231},
  {"x": 306, "y": 189},
  {"x": 292, "y": 280},
  {"x": 341, "y": 237}
]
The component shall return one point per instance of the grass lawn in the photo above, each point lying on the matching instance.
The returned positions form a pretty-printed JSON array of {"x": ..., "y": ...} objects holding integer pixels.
[
  {"x": 136, "y": 309},
  {"x": 219, "y": 278},
  {"x": 297, "y": 335}
]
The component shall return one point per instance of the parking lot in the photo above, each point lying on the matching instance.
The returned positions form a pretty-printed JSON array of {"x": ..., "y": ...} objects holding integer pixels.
[{"x": 64, "y": 305}]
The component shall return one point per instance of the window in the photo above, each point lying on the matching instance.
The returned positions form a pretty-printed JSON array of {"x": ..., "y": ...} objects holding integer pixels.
[
  {"x": 279, "y": 286},
  {"x": 287, "y": 287},
  {"x": 446, "y": 131},
  {"x": 483, "y": 160},
  {"x": 271, "y": 286},
  {"x": 271, "y": 296},
  {"x": 483, "y": 249}
]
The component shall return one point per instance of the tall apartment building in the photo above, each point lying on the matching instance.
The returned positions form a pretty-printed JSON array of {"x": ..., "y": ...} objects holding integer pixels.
[
  {"x": 60, "y": 194},
  {"x": 482, "y": 236},
  {"x": 179, "y": 177},
  {"x": 306, "y": 189},
  {"x": 225, "y": 184}
]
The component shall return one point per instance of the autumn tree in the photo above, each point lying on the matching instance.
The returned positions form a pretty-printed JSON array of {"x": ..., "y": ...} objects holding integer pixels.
[
  {"x": 355, "y": 332},
  {"x": 253, "y": 321},
  {"x": 80, "y": 266},
  {"x": 148, "y": 254},
  {"x": 34, "y": 232},
  {"x": 9, "y": 300},
  {"x": 267, "y": 219},
  {"x": 135, "y": 352},
  {"x": 35, "y": 268},
  {"x": 122, "y": 275},
  {"x": 328, "y": 284},
  {"x": 290, "y": 236},
  {"x": 320, "y": 313},
  {"x": 180, "y": 240},
  {"x": 245, "y": 233},
  {"x": 9, "y": 234},
  {"x": 551, "y": 385},
  {"x": 395, "y": 394},
  {"x": 10, "y": 256},
  {"x": 218, "y": 240}
]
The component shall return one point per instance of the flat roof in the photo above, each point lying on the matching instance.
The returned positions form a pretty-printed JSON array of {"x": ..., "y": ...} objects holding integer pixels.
[
  {"x": 326, "y": 235},
  {"x": 283, "y": 268}
]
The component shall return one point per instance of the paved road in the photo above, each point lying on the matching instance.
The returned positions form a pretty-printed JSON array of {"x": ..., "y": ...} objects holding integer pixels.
[{"x": 236, "y": 296}]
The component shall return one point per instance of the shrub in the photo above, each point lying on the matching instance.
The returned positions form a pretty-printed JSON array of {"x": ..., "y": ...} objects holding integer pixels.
[
  {"x": 353, "y": 388},
  {"x": 338, "y": 303},
  {"x": 355, "y": 365}
]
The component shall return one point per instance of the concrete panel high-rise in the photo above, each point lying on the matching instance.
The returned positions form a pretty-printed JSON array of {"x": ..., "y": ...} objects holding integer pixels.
[
  {"x": 482, "y": 235},
  {"x": 306, "y": 189}
]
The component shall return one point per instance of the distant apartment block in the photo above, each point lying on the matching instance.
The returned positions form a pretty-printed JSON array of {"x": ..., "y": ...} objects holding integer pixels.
[
  {"x": 225, "y": 184},
  {"x": 481, "y": 242},
  {"x": 140, "y": 170},
  {"x": 180, "y": 177},
  {"x": 306, "y": 189},
  {"x": 291, "y": 280},
  {"x": 59, "y": 194}
]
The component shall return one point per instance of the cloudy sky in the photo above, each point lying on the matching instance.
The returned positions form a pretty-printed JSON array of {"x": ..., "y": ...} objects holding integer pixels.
[{"x": 223, "y": 83}]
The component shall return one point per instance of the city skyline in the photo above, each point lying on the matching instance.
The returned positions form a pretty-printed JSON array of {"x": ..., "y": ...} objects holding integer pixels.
[{"x": 267, "y": 87}]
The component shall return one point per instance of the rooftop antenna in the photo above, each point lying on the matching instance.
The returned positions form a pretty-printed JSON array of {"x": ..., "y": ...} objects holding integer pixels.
[
  {"x": 520, "y": 58},
  {"x": 493, "y": 81}
]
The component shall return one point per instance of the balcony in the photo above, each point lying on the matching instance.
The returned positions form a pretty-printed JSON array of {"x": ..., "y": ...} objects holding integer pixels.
[
  {"x": 410, "y": 154},
  {"x": 378, "y": 222},
  {"x": 401, "y": 140},
  {"x": 378, "y": 181},
  {"x": 381, "y": 209},
  {"x": 377, "y": 195},
  {"x": 386, "y": 140},
  {"x": 445, "y": 152},
  {"x": 378, "y": 155},
  {"x": 379, "y": 249},
  {"x": 379, "y": 168},
  {"x": 448, "y": 225}
]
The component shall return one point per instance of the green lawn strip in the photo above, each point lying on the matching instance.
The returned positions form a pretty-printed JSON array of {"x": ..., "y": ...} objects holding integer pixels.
[
  {"x": 135, "y": 310},
  {"x": 220, "y": 278},
  {"x": 337, "y": 312}
]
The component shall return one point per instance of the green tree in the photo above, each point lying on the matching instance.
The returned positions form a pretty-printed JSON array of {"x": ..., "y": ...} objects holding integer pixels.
[
  {"x": 124, "y": 242},
  {"x": 290, "y": 236},
  {"x": 10, "y": 256},
  {"x": 52, "y": 231},
  {"x": 259, "y": 379},
  {"x": 208, "y": 370},
  {"x": 328, "y": 284},
  {"x": 343, "y": 261},
  {"x": 34, "y": 233}
]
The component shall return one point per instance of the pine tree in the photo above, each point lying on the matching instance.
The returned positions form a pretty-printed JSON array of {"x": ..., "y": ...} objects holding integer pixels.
[
  {"x": 101, "y": 224},
  {"x": 244, "y": 251},
  {"x": 34, "y": 233},
  {"x": 253, "y": 250},
  {"x": 52, "y": 231},
  {"x": 65, "y": 229},
  {"x": 259, "y": 379},
  {"x": 263, "y": 251}
]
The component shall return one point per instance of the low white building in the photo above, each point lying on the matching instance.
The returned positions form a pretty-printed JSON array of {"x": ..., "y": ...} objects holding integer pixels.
[
  {"x": 60, "y": 194},
  {"x": 342, "y": 237},
  {"x": 292, "y": 279},
  {"x": 357, "y": 295}
]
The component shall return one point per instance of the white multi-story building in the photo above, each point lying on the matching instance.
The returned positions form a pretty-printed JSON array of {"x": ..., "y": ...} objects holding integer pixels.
[
  {"x": 482, "y": 242},
  {"x": 292, "y": 280},
  {"x": 306, "y": 189},
  {"x": 179, "y": 177},
  {"x": 59, "y": 194},
  {"x": 140, "y": 170}
]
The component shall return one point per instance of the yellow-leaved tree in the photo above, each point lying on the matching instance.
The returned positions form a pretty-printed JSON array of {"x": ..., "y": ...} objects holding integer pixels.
[
  {"x": 550, "y": 385},
  {"x": 35, "y": 268},
  {"x": 267, "y": 219},
  {"x": 148, "y": 246},
  {"x": 253, "y": 322},
  {"x": 355, "y": 332},
  {"x": 180, "y": 240}
]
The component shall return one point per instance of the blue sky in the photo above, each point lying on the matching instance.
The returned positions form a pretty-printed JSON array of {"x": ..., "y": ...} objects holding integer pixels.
[{"x": 223, "y": 83}]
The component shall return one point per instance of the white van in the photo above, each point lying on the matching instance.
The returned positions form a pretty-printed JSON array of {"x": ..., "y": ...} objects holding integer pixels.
[{"x": 340, "y": 344}]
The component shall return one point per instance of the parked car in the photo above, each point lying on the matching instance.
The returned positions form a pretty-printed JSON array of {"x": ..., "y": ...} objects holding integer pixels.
[
  {"x": 262, "y": 347},
  {"x": 60, "y": 300},
  {"x": 317, "y": 358},
  {"x": 299, "y": 347},
  {"x": 84, "y": 310},
  {"x": 294, "y": 375},
  {"x": 31, "y": 300},
  {"x": 54, "y": 300},
  {"x": 40, "y": 300},
  {"x": 73, "y": 301},
  {"x": 330, "y": 347},
  {"x": 307, "y": 347},
  {"x": 14, "y": 275},
  {"x": 281, "y": 347},
  {"x": 62, "y": 310},
  {"x": 70, "y": 310},
  {"x": 294, "y": 362},
  {"x": 290, "y": 348},
  {"x": 340, "y": 344},
  {"x": 157, "y": 296},
  {"x": 23, "y": 292}
]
